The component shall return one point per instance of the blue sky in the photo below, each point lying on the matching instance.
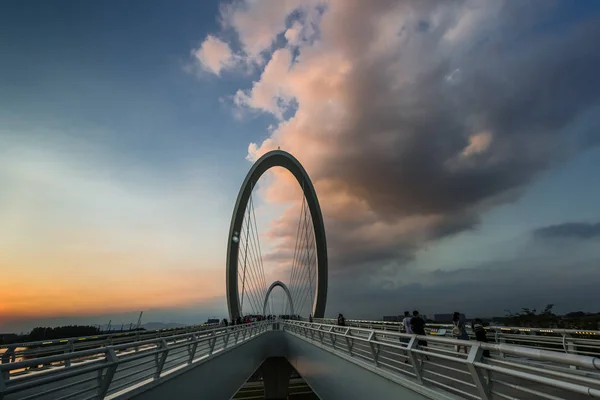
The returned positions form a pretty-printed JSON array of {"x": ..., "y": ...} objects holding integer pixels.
[{"x": 124, "y": 138}]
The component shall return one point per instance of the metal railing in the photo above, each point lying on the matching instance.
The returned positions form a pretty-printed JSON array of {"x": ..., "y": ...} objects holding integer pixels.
[
  {"x": 435, "y": 363},
  {"x": 113, "y": 370},
  {"x": 20, "y": 351},
  {"x": 572, "y": 341}
]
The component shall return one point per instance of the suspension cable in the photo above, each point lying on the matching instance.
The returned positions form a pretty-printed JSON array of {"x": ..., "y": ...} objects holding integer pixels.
[
  {"x": 307, "y": 262},
  {"x": 253, "y": 276},
  {"x": 296, "y": 267},
  {"x": 262, "y": 269},
  {"x": 250, "y": 278}
]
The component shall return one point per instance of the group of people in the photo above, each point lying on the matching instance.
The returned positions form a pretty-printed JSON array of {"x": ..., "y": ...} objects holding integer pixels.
[
  {"x": 416, "y": 325},
  {"x": 460, "y": 332}
]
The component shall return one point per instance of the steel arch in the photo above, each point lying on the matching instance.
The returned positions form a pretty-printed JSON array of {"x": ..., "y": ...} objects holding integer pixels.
[
  {"x": 276, "y": 158},
  {"x": 287, "y": 292}
]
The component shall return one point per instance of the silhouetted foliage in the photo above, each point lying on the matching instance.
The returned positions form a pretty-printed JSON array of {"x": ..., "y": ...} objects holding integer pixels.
[
  {"x": 60, "y": 332},
  {"x": 9, "y": 338},
  {"x": 547, "y": 319},
  {"x": 530, "y": 318}
]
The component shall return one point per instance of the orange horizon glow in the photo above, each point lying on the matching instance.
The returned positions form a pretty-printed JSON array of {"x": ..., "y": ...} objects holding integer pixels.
[{"x": 95, "y": 282}]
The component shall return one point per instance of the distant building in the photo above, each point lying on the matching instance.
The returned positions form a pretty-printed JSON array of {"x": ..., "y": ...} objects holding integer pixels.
[
  {"x": 392, "y": 318},
  {"x": 446, "y": 318},
  {"x": 213, "y": 321}
]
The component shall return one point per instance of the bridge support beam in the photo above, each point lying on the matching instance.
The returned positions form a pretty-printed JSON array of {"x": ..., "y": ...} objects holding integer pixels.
[{"x": 276, "y": 373}]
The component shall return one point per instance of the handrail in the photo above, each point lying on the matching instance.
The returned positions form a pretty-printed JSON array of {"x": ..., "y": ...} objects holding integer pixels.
[
  {"x": 492, "y": 327},
  {"x": 40, "y": 347},
  {"x": 564, "y": 341},
  {"x": 572, "y": 341},
  {"x": 118, "y": 368},
  {"x": 105, "y": 336},
  {"x": 400, "y": 357},
  {"x": 397, "y": 356}
]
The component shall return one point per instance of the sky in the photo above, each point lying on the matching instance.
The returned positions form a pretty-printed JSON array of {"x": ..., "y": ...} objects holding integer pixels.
[{"x": 453, "y": 146}]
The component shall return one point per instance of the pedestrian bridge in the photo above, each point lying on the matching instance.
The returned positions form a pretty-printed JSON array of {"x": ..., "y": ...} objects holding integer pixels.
[
  {"x": 336, "y": 362},
  {"x": 366, "y": 360}
]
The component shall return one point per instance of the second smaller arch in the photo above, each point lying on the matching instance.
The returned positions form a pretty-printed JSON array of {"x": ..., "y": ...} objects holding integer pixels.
[{"x": 287, "y": 292}]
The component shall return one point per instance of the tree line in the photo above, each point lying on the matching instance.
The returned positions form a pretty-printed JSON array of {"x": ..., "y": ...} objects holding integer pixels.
[
  {"x": 546, "y": 318},
  {"x": 48, "y": 333}
]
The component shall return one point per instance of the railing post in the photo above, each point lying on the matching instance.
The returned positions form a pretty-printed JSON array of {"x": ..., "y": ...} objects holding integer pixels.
[
  {"x": 70, "y": 348},
  {"x": 192, "y": 348},
  {"x": 211, "y": 343},
  {"x": 570, "y": 342},
  {"x": 8, "y": 355},
  {"x": 476, "y": 355},
  {"x": 374, "y": 349},
  {"x": 226, "y": 340},
  {"x": 569, "y": 346},
  {"x": 112, "y": 359},
  {"x": 4, "y": 376},
  {"x": 349, "y": 342},
  {"x": 332, "y": 337},
  {"x": 2, "y": 387},
  {"x": 413, "y": 344},
  {"x": 160, "y": 361},
  {"x": 500, "y": 339}
]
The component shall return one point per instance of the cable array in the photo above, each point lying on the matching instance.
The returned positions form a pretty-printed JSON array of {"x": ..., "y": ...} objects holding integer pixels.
[
  {"x": 303, "y": 274},
  {"x": 251, "y": 272}
]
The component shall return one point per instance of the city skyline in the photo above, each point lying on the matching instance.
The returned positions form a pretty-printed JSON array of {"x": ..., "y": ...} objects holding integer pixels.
[{"x": 453, "y": 147}]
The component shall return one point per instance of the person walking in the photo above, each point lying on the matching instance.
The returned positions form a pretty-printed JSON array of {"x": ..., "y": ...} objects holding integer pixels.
[
  {"x": 459, "y": 331},
  {"x": 406, "y": 323},
  {"x": 417, "y": 326},
  {"x": 480, "y": 334}
]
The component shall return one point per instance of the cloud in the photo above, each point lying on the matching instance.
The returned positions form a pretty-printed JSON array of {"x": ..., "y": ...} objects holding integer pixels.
[
  {"x": 569, "y": 230},
  {"x": 269, "y": 94},
  {"x": 481, "y": 291},
  {"x": 414, "y": 118},
  {"x": 478, "y": 143},
  {"x": 259, "y": 23},
  {"x": 294, "y": 34},
  {"x": 214, "y": 55}
]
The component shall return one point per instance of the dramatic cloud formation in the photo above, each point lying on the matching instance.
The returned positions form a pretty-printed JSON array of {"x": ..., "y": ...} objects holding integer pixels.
[
  {"x": 412, "y": 118},
  {"x": 214, "y": 55},
  {"x": 569, "y": 230}
]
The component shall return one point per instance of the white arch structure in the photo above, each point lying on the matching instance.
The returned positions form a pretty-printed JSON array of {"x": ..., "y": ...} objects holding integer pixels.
[
  {"x": 276, "y": 158},
  {"x": 287, "y": 292}
]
